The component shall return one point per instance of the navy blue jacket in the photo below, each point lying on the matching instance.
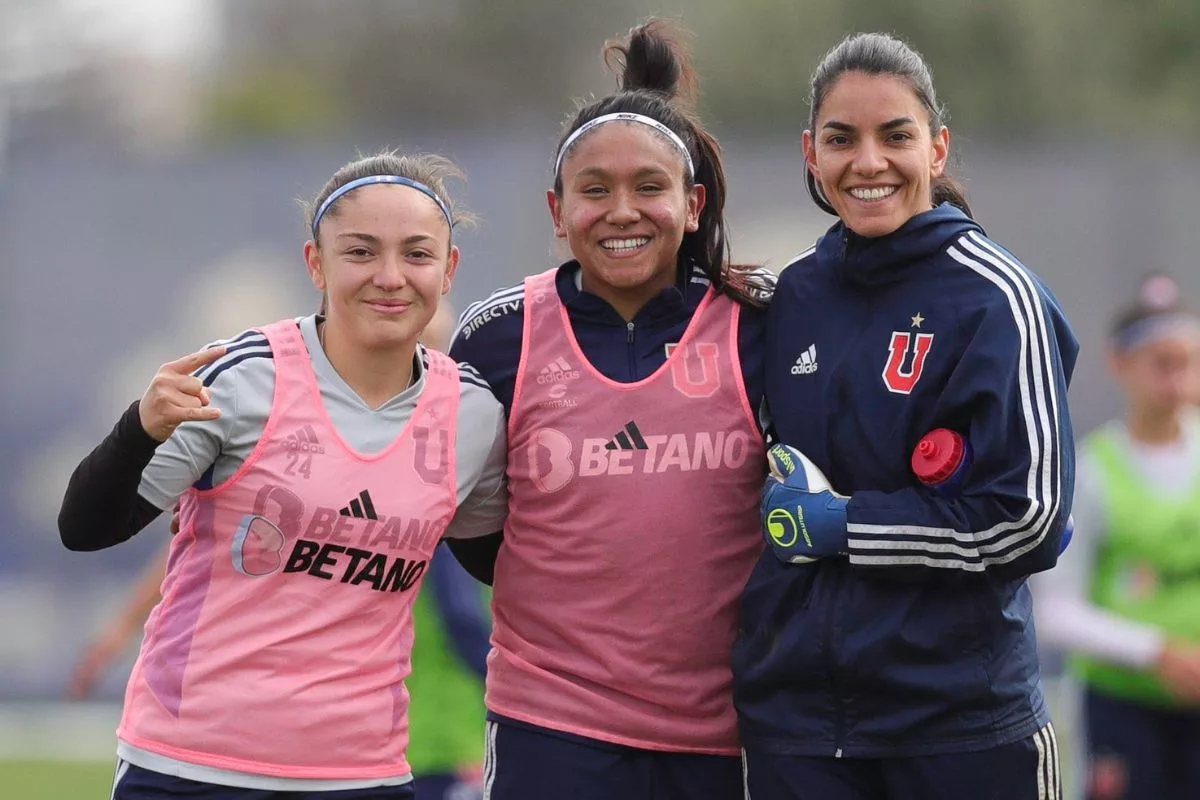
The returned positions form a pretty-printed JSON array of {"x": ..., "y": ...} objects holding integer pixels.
[
  {"x": 489, "y": 332},
  {"x": 922, "y": 640}
]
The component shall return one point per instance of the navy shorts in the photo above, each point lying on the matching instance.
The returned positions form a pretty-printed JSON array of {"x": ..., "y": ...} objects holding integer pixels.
[
  {"x": 1141, "y": 753},
  {"x": 134, "y": 783},
  {"x": 524, "y": 762},
  {"x": 445, "y": 787},
  {"x": 1023, "y": 770}
]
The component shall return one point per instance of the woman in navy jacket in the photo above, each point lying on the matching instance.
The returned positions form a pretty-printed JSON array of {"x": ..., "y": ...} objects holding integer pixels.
[{"x": 887, "y": 643}]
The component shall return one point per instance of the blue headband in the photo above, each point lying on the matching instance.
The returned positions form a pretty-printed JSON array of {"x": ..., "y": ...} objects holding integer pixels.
[
  {"x": 1159, "y": 326},
  {"x": 374, "y": 179}
]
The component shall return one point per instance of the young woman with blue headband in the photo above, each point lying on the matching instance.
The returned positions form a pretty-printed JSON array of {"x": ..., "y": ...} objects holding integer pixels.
[{"x": 317, "y": 462}]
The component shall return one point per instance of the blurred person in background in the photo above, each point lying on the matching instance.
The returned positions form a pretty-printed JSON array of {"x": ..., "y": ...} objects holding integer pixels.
[
  {"x": 1194, "y": 384},
  {"x": 110, "y": 644},
  {"x": 449, "y": 655},
  {"x": 317, "y": 463},
  {"x": 887, "y": 653},
  {"x": 1125, "y": 598},
  {"x": 449, "y": 659},
  {"x": 631, "y": 374}
]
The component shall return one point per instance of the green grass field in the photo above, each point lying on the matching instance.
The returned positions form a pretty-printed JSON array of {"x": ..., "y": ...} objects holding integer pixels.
[{"x": 55, "y": 780}]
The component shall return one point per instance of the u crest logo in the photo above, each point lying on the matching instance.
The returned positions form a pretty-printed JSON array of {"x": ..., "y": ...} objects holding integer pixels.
[
  {"x": 431, "y": 453},
  {"x": 895, "y": 377},
  {"x": 695, "y": 372}
]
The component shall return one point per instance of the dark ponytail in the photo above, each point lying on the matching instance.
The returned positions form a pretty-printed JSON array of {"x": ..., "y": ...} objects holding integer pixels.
[
  {"x": 949, "y": 189},
  {"x": 656, "y": 80}
]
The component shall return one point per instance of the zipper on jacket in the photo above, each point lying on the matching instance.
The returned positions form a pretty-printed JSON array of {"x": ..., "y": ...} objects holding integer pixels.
[
  {"x": 831, "y": 666},
  {"x": 633, "y": 367}
]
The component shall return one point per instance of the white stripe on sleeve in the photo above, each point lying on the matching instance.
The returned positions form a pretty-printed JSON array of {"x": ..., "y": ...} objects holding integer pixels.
[{"x": 974, "y": 551}]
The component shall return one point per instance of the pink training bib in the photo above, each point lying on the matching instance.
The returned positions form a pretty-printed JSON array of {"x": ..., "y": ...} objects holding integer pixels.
[
  {"x": 632, "y": 530},
  {"x": 283, "y": 638}
]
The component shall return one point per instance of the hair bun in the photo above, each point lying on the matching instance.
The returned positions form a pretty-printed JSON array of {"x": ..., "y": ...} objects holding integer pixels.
[
  {"x": 1159, "y": 292},
  {"x": 653, "y": 58}
]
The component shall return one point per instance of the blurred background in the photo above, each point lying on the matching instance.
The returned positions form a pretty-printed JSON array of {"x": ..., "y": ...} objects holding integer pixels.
[{"x": 151, "y": 156}]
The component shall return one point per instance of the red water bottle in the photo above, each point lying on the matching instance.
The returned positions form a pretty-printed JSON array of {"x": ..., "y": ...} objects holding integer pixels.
[{"x": 941, "y": 460}]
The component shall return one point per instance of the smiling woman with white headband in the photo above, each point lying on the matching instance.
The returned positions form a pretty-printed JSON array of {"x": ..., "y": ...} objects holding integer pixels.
[{"x": 631, "y": 374}]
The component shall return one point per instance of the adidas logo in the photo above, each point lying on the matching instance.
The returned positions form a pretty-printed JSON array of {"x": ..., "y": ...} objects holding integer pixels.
[
  {"x": 806, "y": 364},
  {"x": 360, "y": 507},
  {"x": 303, "y": 441},
  {"x": 557, "y": 371},
  {"x": 628, "y": 438}
]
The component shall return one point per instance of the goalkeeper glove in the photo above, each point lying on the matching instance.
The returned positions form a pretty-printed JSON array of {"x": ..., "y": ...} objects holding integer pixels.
[{"x": 803, "y": 519}]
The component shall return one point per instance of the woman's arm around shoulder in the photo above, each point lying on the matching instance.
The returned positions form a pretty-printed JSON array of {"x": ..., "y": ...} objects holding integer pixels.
[{"x": 475, "y": 533}]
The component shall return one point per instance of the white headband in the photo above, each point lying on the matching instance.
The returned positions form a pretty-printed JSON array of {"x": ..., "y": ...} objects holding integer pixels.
[{"x": 625, "y": 116}]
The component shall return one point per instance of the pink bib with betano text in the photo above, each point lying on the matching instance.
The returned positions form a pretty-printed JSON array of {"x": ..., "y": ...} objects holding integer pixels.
[
  {"x": 283, "y": 638},
  {"x": 632, "y": 530}
]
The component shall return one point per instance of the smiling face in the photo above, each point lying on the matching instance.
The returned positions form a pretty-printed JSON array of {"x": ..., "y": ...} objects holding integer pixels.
[
  {"x": 872, "y": 152},
  {"x": 624, "y": 209},
  {"x": 384, "y": 261}
]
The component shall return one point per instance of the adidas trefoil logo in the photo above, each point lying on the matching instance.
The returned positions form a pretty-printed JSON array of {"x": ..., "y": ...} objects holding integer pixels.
[
  {"x": 360, "y": 507},
  {"x": 628, "y": 438},
  {"x": 806, "y": 364},
  {"x": 557, "y": 371}
]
